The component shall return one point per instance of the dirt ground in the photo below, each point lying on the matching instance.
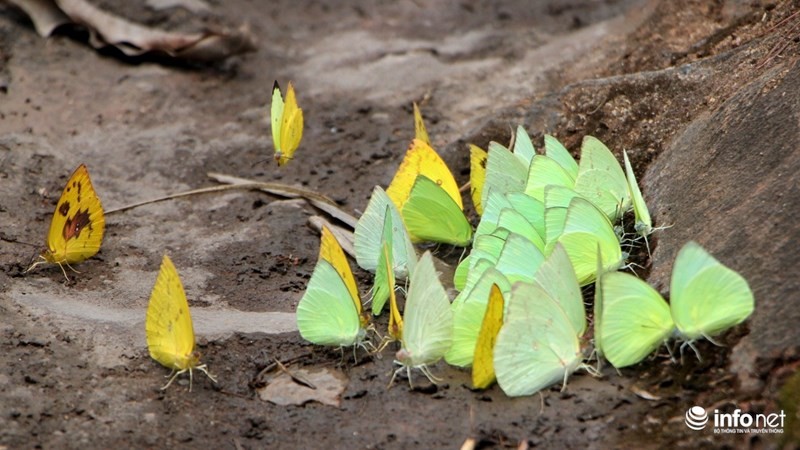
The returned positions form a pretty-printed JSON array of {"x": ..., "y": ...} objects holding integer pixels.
[{"x": 74, "y": 368}]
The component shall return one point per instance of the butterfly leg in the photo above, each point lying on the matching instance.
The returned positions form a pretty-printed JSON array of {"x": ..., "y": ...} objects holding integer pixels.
[
  {"x": 431, "y": 377},
  {"x": 174, "y": 374}
]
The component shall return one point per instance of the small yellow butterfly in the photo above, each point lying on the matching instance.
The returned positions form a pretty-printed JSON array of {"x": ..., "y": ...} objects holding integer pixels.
[
  {"x": 287, "y": 124},
  {"x": 170, "y": 334},
  {"x": 483, "y": 363},
  {"x": 76, "y": 230}
]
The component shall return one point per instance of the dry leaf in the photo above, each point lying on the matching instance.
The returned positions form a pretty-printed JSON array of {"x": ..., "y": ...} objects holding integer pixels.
[
  {"x": 133, "y": 39},
  {"x": 195, "y": 6},
  {"x": 644, "y": 394},
  {"x": 282, "y": 390}
]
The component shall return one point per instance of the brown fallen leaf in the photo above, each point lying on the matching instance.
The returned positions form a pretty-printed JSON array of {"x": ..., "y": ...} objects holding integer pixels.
[
  {"x": 132, "y": 39},
  {"x": 283, "y": 390}
]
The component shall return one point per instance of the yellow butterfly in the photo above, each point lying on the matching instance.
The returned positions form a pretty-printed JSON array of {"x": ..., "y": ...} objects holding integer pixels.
[
  {"x": 421, "y": 159},
  {"x": 287, "y": 124},
  {"x": 477, "y": 175},
  {"x": 76, "y": 230},
  {"x": 483, "y": 363},
  {"x": 170, "y": 334}
]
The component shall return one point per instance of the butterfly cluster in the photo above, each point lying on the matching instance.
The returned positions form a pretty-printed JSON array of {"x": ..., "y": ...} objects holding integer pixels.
[{"x": 549, "y": 225}]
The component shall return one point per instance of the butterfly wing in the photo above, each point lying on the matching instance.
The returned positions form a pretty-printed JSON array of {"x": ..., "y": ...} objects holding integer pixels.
[
  {"x": 326, "y": 314},
  {"x": 644, "y": 224},
  {"x": 585, "y": 228},
  {"x": 431, "y": 215},
  {"x": 505, "y": 172},
  {"x": 331, "y": 251},
  {"x": 537, "y": 345},
  {"x": 384, "y": 273},
  {"x": 276, "y": 116},
  {"x": 635, "y": 319},
  {"x": 421, "y": 159},
  {"x": 556, "y": 151},
  {"x": 523, "y": 148},
  {"x": 76, "y": 231},
  {"x": 477, "y": 175},
  {"x": 169, "y": 330},
  {"x": 483, "y": 374},
  {"x": 291, "y": 127},
  {"x": 419, "y": 126},
  {"x": 601, "y": 180},
  {"x": 706, "y": 297},
  {"x": 427, "y": 319},
  {"x": 544, "y": 172},
  {"x": 557, "y": 277}
]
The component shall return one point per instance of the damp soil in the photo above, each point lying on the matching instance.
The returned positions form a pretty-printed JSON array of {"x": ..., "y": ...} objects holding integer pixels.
[{"x": 74, "y": 370}]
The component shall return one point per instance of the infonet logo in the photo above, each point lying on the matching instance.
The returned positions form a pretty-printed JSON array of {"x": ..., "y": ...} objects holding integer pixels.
[
  {"x": 736, "y": 422},
  {"x": 696, "y": 418}
]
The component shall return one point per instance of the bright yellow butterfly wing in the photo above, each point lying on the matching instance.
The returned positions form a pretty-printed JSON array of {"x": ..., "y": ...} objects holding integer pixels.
[
  {"x": 331, "y": 251},
  {"x": 291, "y": 128},
  {"x": 421, "y": 159},
  {"x": 477, "y": 175},
  {"x": 419, "y": 126},
  {"x": 483, "y": 362},
  {"x": 78, "y": 224},
  {"x": 170, "y": 334}
]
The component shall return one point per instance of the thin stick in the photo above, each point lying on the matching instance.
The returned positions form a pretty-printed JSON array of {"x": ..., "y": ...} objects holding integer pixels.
[{"x": 297, "y": 379}]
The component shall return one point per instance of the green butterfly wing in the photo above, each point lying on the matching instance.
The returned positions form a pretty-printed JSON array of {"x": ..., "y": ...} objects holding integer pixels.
[
  {"x": 427, "y": 319},
  {"x": 635, "y": 319},
  {"x": 505, "y": 172},
  {"x": 431, "y": 215},
  {"x": 276, "y": 115},
  {"x": 644, "y": 224},
  {"x": 368, "y": 236},
  {"x": 601, "y": 180},
  {"x": 520, "y": 259},
  {"x": 706, "y": 297},
  {"x": 586, "y": 228},
  {"x": 530, "y": 208},
  {"x": 557, "y": 199},
  {"x": 556, "y": 151},
  {"x": 537, "y": 345},
  {"x": 384, "y": 273},
  {"x": 326, "y": 314},
  {"x": 523, "y": 148},
  {"x": 515, "y": 222},
  {"x": 544, "y": 172},
  {"x": 557, "y": 277},
  {"x": 468, "y": 311}
]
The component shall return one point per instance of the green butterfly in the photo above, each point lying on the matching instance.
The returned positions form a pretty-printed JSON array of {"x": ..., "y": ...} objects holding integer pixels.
[
  {"x": 538, "y": 344},
  {"x": 427, "y": 322},
  {"x": 545, "y": 171},
  {"x": 523, "y": 148},
  {"x": 585, "y": 228},
  {"x": 706, "y": 298},
  {"x": 430, "y": 214},
  {"x": 601, "y": 180},
  {"x": 370, "y": 230}
]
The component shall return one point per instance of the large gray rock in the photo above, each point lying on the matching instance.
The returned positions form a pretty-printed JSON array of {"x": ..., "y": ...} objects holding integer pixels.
[{"x": 729, "y": 181}]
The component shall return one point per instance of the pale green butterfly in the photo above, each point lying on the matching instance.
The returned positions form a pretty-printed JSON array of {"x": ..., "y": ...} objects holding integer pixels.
[
  {"x": 556, "y": 151},
  {"x": 543, "y": 172},
  {"x": 557, "y": 200},
  {"x": 557, "y": 277},
  {"x": 430, "y": 214},
  {"x": 601, "y": 180},
  {"x": 523, "y": 147},
  {"x": 427, "y": 321},
  {"x": 538, "y": 344},
  {"x": 633, "y": 319},
  {"x": 329, "y": 313},
  {"x": 368, "y": 233},
  {"x": 644, "y": 225},
  {"x": 468, "y": 311},
  {"x": 530, "y": 208},
  {"x": 706, "y": 297},
  {"x": 586, "y": 227},
  {"x": 505, "y": 172}
]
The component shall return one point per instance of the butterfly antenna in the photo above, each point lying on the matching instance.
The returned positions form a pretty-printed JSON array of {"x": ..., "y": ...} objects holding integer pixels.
[
  {"x": 708, "y": 338},
  {"x": 203, "y": 368}
]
